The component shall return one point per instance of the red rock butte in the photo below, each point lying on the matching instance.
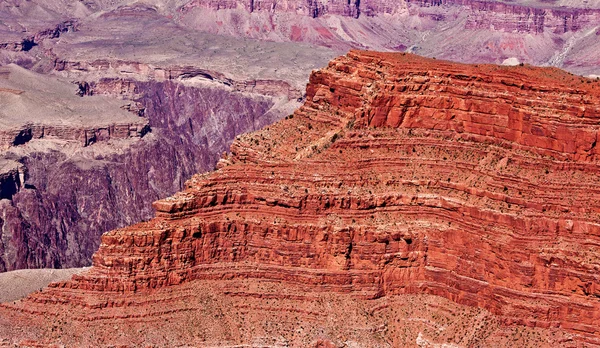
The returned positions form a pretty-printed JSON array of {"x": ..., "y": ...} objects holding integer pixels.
[{"x": 399, "y": 176}]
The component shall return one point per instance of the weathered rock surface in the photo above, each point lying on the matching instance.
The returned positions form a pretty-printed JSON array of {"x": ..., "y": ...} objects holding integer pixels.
[
  {"x": 74, "y": 167},
  {"x": 562, "y": 33},
  {"x": 61, "y": 196},
  {"x": 399, "y": 175},
  {"x": 133, "y": 50},
  {"x": 38, "y": 107}
]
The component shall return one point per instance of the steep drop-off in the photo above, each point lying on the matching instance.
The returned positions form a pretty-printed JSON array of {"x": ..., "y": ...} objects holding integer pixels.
[
  {"x": 399, "y": 175},
  {"x": 64, "y": 185}
]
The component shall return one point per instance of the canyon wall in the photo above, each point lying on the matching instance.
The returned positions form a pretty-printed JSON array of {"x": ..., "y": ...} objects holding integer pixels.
[
  {"x": 531, "y": 18},
  {"x": 399, "y": 175},
  {"x": 133, "y": 50},
  {"x": 107, "y": 183},
  {"x": 86, "y": 168}
]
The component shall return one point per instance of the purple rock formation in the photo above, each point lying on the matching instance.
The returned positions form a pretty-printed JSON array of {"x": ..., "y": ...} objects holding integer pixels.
[{"x": 55, "y": 220}]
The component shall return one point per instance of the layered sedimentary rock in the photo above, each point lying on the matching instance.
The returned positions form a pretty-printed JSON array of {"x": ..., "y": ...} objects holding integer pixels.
[
  {"x": 399, "y": 175},
  {"x": 135, "y": 49},
  {"x": 520, "y": 16},
  {"x": 557, "y": 33},
  {"x": 179, "y": 102},
  {"x": 36, "y": 107}
]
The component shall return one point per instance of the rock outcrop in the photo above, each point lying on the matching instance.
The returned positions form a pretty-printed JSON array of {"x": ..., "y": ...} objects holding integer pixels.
[
  {"x": 399, "y": 175},
  {"x": 37, "y": 107},
  {"x": 172, "y": 103},
  {"x": 531, "y": 18}
]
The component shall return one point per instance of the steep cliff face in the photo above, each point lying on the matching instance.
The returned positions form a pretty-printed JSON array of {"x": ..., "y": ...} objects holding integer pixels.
[
  {"x": 399, "y": 175},
  {"x": 532, "y": 17},
  {"x": 107, "y": 182},
  {"x": 178, "y": 103}
]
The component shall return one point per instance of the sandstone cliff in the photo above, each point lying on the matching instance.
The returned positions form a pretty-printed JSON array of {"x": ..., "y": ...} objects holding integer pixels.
[{"x": 399, "y": 175}]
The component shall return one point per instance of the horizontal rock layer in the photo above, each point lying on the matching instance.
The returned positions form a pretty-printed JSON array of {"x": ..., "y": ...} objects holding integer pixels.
[
  {"x": 399, "y": 175},
  {"x": 557, "y": 33},
  {"x": 84, "y": 135},
  {"x": 258, "y": 312},
  {"x": 29, "y": 40},
  {"x": 184, "y": 74}
]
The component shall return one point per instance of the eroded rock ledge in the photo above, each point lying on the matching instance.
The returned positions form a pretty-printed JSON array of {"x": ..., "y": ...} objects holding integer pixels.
[{"x": 399, "y": 175}]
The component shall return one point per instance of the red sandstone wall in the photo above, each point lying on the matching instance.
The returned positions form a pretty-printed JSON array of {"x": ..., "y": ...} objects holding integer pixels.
[{"x": 398, "y": 175}]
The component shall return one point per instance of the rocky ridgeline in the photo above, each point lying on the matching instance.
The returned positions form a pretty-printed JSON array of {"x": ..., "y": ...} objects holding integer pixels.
[{"x": 399, "y": 175}]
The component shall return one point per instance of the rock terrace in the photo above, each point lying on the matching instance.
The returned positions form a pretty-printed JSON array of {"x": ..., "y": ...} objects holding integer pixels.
[{"x": 35, "y": 106}]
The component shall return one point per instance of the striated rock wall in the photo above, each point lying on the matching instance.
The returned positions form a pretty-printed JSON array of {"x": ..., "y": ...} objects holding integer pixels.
[
  {"x": 92, "y": 171},
  {"x": 539, "y": 33},
  {"x": 184, "y": 74},
  {"x": 28, "y": 41},
  {"x": 399, "y": 175},
  {"x": 520, "y": 18}
]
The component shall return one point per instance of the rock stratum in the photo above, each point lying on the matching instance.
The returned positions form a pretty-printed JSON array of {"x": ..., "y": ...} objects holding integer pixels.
[
  {"x": 80, "y": 159},
  {"x": 550, "y": 33},
  {"x": 408, "y": 202}
]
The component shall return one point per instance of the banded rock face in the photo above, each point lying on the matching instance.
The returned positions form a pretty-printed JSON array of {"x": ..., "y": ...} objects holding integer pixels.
[
  {"x": 399, "y": 175},
  {"x": 76, "y": 167}
]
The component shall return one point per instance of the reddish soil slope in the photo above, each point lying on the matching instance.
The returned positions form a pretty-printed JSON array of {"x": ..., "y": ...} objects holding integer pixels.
[{"x": 399, "y": 178}]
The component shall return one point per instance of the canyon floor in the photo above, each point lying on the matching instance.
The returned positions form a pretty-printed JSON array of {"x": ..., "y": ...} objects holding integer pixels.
[{"x": 18, "y": 284}]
